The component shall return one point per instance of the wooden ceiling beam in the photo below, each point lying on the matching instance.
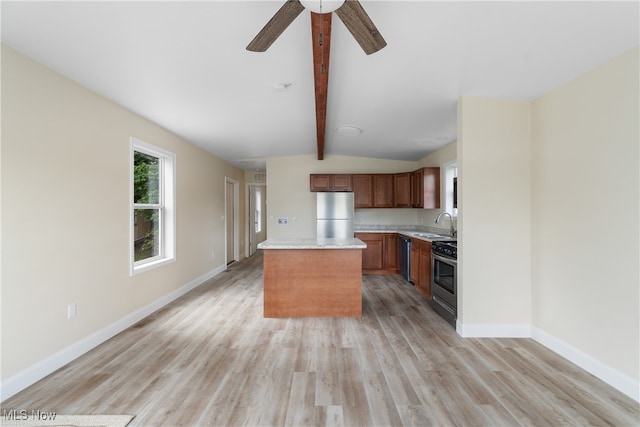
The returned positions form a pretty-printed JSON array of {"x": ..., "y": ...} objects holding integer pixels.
[{"x": 321, "y": 38}]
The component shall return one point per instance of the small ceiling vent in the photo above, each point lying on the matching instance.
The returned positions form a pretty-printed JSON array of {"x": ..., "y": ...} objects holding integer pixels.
[{"x": 259, "y": 177}]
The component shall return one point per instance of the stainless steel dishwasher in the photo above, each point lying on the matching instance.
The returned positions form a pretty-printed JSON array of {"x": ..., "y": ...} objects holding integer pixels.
[{"x": 404, "y": 252}]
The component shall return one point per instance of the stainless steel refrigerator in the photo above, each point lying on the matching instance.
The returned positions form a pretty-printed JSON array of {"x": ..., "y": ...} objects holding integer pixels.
[{"x": 335, "y": 215}]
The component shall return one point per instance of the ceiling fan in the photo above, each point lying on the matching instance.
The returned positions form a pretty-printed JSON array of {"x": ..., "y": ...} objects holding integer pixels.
[{"x": 354, "y": 17}]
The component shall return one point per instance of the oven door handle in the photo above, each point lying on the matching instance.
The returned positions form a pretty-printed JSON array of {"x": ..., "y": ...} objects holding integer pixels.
[{"x": 445, "y": 260}]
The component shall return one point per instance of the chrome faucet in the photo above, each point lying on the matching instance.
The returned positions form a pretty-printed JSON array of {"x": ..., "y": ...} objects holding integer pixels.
[{"x": 451, "y": 230}]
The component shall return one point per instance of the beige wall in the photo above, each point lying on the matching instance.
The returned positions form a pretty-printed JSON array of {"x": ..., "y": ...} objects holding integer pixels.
[
  {"x": 549, "y": 197},
  {"x": 494, "y": 212},
  {"x": 585, "y": 217},
  {"x": 65, "y": 213},
  {"x": 289, "y": 197}
]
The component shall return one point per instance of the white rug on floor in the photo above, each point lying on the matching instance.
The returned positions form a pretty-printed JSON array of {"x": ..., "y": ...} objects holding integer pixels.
[{"x": 29, "y": 419}]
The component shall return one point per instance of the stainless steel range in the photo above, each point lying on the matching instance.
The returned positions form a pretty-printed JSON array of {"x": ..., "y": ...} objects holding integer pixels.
[{"x": 444, "y": 283}]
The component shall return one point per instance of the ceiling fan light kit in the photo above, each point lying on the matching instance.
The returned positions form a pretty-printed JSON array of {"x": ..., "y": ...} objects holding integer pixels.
[
  {"x": 322, "y": 6},
  {"x": 352, "y": 15}
]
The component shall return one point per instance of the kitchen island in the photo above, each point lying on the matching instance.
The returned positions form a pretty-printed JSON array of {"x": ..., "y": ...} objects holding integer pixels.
[{"x": 309, "y": 277}]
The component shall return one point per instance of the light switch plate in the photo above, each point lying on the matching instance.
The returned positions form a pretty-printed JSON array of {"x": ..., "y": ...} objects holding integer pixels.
[{"x": 72, "y": 311}]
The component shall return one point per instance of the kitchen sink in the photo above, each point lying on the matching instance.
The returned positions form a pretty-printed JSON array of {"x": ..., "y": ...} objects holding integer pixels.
[{"x": 431, "y": 236}]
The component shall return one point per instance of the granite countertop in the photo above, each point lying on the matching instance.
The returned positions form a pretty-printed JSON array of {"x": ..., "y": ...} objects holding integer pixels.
[
  {"x": 424, "y": 233},
  {"x": 312, "y": 243}
]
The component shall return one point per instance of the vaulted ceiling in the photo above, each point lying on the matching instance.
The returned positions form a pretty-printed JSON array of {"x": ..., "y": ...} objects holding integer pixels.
[{"x": 184, "y": 66}]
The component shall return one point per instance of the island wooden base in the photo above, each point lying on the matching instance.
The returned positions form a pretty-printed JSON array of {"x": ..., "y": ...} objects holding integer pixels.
[{"x": 312, "y": 282}]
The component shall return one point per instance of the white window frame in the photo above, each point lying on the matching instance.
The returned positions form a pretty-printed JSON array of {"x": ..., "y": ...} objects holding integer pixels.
[
  {"x": 450, "y": 171},
  {"x": 167, "y": 252}
]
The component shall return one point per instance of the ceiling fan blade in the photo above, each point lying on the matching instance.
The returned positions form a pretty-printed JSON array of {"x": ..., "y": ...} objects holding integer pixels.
[
  {"x": 276, "y": 25},
  {"x": 354, "y": 17}
]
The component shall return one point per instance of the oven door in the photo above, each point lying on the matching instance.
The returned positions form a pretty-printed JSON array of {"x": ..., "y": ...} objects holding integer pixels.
[{"x": 445, "y": 282}]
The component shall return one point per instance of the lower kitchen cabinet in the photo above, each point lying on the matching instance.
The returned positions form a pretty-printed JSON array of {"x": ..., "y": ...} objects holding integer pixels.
[
  {"x": 381, "y": 254},
  {"x": 425, "y": 269},
  {"x": 414, "y": 263},
  {"x": 420, "y": 273},
  {"x": 372, "y": 255},
  {"x": 391, "y": 260}
]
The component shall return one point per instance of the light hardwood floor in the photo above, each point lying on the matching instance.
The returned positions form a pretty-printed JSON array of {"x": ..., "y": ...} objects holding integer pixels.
[{"x": 211, "y": 359}]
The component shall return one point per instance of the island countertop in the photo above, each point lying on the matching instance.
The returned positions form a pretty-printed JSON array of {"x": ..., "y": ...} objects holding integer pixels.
[{"x": 312, "y": 243}]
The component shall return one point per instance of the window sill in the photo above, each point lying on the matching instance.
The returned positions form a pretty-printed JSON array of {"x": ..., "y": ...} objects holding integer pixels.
[{"x": 141, "y": 268}]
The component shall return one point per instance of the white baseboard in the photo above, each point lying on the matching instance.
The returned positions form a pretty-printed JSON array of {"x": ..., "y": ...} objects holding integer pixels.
[
  {"x": 33, "y": 374},
  {"x": 613, "y": 377},
  {"x": 493, "y": 330}
]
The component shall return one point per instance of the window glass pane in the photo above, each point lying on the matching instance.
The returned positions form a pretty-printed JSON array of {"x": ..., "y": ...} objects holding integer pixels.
[
  {"x": 146, "y": 181},
  {"x": 146, "y": 233}
]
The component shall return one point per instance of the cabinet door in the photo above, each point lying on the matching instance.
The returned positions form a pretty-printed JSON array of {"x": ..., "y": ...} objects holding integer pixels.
[
  {"x": 330, "y": 182},
  {"x": 425, "y": 268},
  {"x": 391, "y": 251},
  {"x": 342, "y": 182},
  {"x": 372, "y": 258},
  {"x": 414, "y": 271},
  {"x": 363, "y": 191},
  {"x": 402, "y": 190},
  {"x": 431, "y": 188},
  {"x": 383, "y": 191},
  {"x": 319, "y": 182},
  {"x": 417, "y": 194}
]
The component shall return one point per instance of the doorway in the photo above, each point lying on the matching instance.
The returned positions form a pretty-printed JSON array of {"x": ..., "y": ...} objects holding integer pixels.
[
  {"x": 231, "y": 216},
  {"x": 257, "y": 216}
]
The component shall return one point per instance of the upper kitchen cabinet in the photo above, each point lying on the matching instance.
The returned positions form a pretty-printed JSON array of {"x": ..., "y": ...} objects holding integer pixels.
[
  {"x": 363, "y": 191},
  {"x": 383, "y": 191},
  {"x": 417, "y": 189},
  {"x": 373, "y": 190},
  {"x": 402, "y": 190},
  {"x": 331, "y": 182},
  {"x": 425, "y": 188},
  {"x": 417, "y": 196}
]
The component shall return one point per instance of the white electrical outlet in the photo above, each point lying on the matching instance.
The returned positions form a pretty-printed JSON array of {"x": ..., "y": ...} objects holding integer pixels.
[
  {"x": 72, "y": 311},
  {"x": 213, "y": 254}
]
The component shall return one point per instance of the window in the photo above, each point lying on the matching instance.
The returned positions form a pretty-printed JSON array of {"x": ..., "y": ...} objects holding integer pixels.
[
  {"x": 450, "y": 172},
  {"x": 152, "y": 206}
]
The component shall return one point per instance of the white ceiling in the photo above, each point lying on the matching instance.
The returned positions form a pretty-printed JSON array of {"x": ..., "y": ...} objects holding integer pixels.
[{"x": 184, "y": 66}]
